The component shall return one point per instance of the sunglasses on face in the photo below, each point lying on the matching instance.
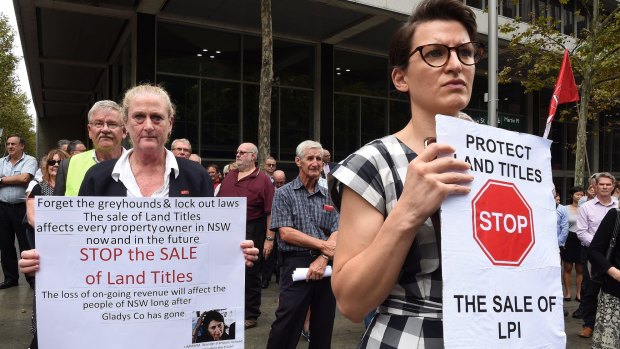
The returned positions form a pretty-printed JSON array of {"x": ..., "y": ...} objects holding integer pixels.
[{"x": 53, "y": 162}]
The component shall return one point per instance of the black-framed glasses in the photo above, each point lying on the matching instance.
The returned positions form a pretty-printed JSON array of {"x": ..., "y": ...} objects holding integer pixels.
[
  {"x": 101, "y": 124},
  {"x": 438, "y": 55},
  {"x": 270, "y": 165},
  {"x": 53, "y": 162}
]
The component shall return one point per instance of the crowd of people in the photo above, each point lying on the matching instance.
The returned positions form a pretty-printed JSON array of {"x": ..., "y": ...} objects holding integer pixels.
[
  {"x": 361, "y": 220},
  {"x": 585, "y": 229}
]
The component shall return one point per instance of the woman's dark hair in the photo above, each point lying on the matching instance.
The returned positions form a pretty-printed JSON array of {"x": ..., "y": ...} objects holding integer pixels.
[
  {"x": 211, "y": 315},
  {"x": 429, "y": 10},
  {"x": 573, "y": 190}
]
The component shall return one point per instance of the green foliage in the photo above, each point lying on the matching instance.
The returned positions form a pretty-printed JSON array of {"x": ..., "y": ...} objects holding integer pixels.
[
  {"x": 14, "y": 116},
  {"x": 535, "y": 56}
]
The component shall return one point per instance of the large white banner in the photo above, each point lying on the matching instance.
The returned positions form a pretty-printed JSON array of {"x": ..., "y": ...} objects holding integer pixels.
[
  {"x": 500, "y": 255},
  {"x": 140, "y": 272}
]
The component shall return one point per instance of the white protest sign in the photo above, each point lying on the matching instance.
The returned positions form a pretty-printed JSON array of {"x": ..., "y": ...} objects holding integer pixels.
[
  {"x": 499, "y": 247},
  {"x": 121, "y": 272}
]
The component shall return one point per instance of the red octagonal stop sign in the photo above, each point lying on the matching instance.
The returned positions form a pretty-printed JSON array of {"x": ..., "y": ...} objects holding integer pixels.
[{"x": 503, "y": 224}]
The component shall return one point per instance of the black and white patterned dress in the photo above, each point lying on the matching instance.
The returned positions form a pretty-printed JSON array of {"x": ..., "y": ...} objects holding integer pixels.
[{"x": 411, "y": 315}]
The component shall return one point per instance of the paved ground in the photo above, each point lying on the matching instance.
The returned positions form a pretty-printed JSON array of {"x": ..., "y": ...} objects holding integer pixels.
[{"x": 16, "y": 305}]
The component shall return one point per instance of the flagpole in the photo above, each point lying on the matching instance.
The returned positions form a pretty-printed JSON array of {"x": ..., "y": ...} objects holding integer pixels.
[{"x": 492, "y": 69}]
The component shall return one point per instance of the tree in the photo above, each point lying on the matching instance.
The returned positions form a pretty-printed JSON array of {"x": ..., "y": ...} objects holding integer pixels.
[
  {"x": 14, "y": 118},
  {"x": 266, "y": 82},
  {"x": 535, "y": 54}
]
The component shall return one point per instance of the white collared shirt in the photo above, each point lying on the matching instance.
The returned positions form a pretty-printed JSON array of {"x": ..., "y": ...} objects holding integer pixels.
[
  {"x": 123, "y": 151},
  {"x": 122, "y": 172}
]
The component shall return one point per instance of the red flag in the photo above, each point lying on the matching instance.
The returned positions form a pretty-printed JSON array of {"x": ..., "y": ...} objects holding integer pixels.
[{"x": 565, "y": 90}]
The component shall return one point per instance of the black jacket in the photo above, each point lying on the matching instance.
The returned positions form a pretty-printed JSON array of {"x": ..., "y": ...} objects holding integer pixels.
[
  {"x": 598, "y": 250},
  {"x": 193, "y": 181}
]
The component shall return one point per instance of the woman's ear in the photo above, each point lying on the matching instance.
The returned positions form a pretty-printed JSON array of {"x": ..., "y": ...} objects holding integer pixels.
[{"x": 399, "y": 79}]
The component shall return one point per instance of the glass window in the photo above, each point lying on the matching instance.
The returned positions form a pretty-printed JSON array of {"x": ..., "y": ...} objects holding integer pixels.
[
  {"x": 557, "y": 148},
  {"x": 479, "y": 4},
  {"x": 293, "y": 63},
  {"x": 556, "y": 13},
  {"x": 525, "y": 9},
  {"x": 510, "y": 8},
  {"x": 571, "y": 141},
  {"x": 198, "y": 51},
  {"x": 541, "y": 8},
  {"x": 512, "y": 98},
  {"x": 614, "y": 155},
  {"x": 581, "y": 21},
  {"x": 400, "y": 114},
  {"x": 250, "y": 116},
  {"x": 346, "y": 125},
  {"x": 373, "y": 119},
  {"x": 568, "y": 19},
  {"x": 220, "y": 119},
  {"x": 250, "y": 112},
  {"x": 184, "y": 94},
  {"x": 360, "y": 74},
  {"x": 296, "y": 118}
]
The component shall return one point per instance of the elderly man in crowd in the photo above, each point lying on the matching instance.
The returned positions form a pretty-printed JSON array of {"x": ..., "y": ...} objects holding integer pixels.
[
  {"x": 306, "y": 223},
  {"x": 107, "y": 132},
  {"x": 16, "y": 171},
  {"x": 76, "y": 147},
  {"x": 63, "y": 144},
  {"x": 279, "y": 178},
  {"x": 181, "y": 148},
  {"x": 270, "y": 167},
  {"x": 195, "y": 158},
  {"x": 250, "y": 182}
]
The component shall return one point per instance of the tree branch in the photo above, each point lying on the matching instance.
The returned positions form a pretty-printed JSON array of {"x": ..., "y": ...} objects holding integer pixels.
[{"x": 604, "y": 80}]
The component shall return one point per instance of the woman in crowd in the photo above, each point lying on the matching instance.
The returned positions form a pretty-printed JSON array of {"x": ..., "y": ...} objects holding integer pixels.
[
  {"x": 216, "y": 177},
  {"x": 44, "y": 187},
  {"x": 607, "y": 325},
  {"x": 571, "y": 252},
  {"x": 391, "y": 189}
]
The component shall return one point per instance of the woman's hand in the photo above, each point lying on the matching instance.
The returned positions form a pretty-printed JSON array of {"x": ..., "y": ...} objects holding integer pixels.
[
  {"x": 29, "y": 262},
  {"x": 250, "y": 253},
  {"x": 431, "y": 179}
]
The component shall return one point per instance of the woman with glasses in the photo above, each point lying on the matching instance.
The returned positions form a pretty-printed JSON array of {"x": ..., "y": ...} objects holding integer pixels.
[{"x": 388, "y": 254}]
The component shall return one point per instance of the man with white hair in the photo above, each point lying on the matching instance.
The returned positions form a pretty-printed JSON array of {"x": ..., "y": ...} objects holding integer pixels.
[
  {"x": 181, "y": 148},
  {"x": 306, "y": 223}
]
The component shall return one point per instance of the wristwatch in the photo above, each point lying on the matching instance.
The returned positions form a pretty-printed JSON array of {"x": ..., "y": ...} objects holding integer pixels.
[{"x": 269, "y": 238}]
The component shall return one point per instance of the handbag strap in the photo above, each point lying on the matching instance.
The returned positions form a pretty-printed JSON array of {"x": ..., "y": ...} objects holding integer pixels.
[{"x": 612, "y": 242}]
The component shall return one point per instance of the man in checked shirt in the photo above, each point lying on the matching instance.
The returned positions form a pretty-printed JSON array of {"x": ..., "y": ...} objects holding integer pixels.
[{"x": 306, "y": 223}]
